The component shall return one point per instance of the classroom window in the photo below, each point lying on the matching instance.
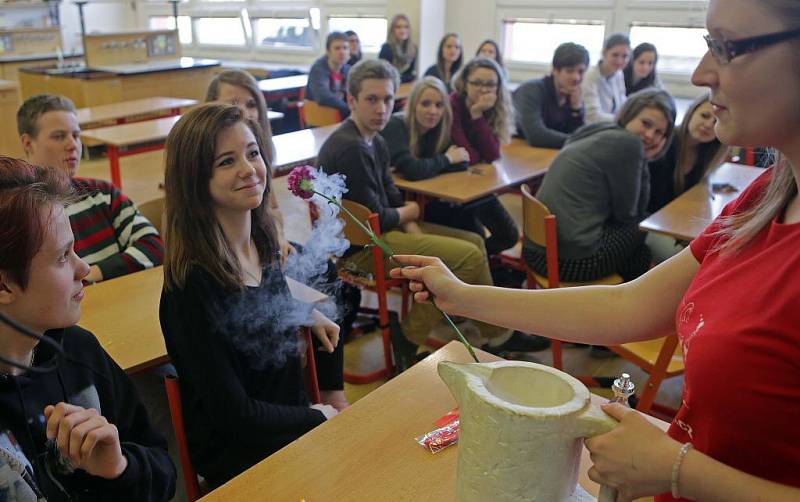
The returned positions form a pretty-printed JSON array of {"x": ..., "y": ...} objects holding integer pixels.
[
  {"x": 535, "y": 40},
  {"x": 371, "y": 30},
  {"x": 679, "y": 48},
  {"x": 168, "y": 23},
  {"x": 219, "y": 30},
  {"x": 284, "y": 32}
]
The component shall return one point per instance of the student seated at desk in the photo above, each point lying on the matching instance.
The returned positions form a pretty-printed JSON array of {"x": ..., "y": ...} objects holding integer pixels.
[
  {"x": 239, "y": 88},
  {"x": 356, "y": 150},
  {"x": 449, "y": 58},
  {"x": 419, "y": 139},
  {"x": 228, "y": 318},
  {"x": 490, "y": 50},
  {"x": 693, "y": 152},
  {"x": 598, "y": 188},
  {"x": 640, "y": 72},
  {"x": 549, "y": 109},
  {"x": 355, "y": 47},
  {"x": 328, "y": 75},
  {"x": 110, "y": 233},
  {"x": 399, "y": 49},
  {"x": 483, "y": 118},
  {"x": 72, "y": 426},
  {"x": 604, "y": 83}
]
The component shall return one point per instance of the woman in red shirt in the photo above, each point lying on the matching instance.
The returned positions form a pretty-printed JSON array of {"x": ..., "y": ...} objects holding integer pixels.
[{"x": 732, "y": 295}]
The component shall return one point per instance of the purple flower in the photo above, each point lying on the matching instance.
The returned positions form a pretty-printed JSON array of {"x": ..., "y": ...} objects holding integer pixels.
[{"x": 301, "y": 182}]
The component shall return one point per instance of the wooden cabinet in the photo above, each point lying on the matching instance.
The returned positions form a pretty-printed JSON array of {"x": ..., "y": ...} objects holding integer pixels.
[{"x": 9, "y": 103}]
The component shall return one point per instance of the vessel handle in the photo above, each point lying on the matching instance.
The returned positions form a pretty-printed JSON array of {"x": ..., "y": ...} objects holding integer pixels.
[{"x": 592, "y": 422}]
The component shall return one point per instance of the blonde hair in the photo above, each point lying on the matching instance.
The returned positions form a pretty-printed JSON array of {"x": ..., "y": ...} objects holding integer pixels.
[
  {"x": 709, "y": 154},
  {"x": 195, "y": 235},
  {"x": 501, "y": 115},
  {"x": 442, "y": 129},
  {"x": 738, "y": 230}
]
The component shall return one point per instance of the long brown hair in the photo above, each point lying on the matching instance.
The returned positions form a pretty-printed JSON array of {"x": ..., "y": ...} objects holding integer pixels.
[
  {"x": 441, "y": 64},
  {"x": 246, "y": 81},
  {"x": 442, "y": 130},
  {"x": 501, "y": 115},
  {"x": 709, "y": 155},
  {"x": 195, "y": 236},
  {"x": 741, "y": 228}
]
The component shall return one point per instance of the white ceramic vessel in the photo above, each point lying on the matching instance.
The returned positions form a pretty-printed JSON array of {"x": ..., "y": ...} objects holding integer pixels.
[{"x": 521, "y": 430}]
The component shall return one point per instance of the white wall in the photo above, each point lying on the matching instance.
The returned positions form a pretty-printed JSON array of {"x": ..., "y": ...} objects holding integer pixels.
[{"x": 99, "y": 17}]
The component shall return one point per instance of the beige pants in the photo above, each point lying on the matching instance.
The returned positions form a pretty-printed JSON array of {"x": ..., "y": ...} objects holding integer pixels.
[{"x": 464, "y": 254}]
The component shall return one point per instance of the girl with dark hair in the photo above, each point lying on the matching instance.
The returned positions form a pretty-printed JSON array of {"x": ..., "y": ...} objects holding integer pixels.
[
  {"x": 400, "y": 49},
  {"x": 448, "y": 59},
  {"x": 693, "y": 152},
  {"x": 598, "y": 188},
  {"x": 640, "y": 72},
  {"x": 229, "y": 321},
  {"x": 239, "y": 88},
  {"x": 731, "y": 296},
  {"x": 489, "y": 49},
  {"x": 355, "y": 47},
  {"x": 72, "y": 426}
]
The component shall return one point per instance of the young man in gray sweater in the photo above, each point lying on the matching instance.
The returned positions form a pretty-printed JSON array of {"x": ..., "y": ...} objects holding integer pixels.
[
  {"x": 328, "y": 75},
  {"x": 551, "y": 108}
]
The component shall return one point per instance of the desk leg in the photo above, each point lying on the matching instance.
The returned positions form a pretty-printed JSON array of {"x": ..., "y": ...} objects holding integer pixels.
[
  {"x": 113, "y": 159},
  {"x": 422, "y": 200}
]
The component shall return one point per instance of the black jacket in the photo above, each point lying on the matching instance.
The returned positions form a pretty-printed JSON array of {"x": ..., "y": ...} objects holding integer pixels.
[
  {"x": 237, "y": 356},
  {"x": 87, "y": 377}
]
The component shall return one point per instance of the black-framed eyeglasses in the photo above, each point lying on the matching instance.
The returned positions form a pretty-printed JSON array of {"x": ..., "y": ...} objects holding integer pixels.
[
  {"x": 725, "y": 50},
  {"x": 484, "y": 84}
]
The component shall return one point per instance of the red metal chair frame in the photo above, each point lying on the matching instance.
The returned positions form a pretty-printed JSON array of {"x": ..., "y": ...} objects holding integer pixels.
[
  {"x": 193, "y": 488},
  {"x": 381, "y": 288}
]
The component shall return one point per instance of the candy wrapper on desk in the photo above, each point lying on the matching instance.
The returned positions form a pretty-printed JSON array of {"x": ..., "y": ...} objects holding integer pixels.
[{"x": 443, "y": 436}]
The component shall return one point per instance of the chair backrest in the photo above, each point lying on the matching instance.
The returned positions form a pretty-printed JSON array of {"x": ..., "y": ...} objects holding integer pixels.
[
  {"x": 313, "y": 114},
  {"x": 352, "y": 232},
  {"x": 153, "y": 210},
  {"x": 176, "y": 412},
  {"x": 533, "y": 215},
  {"x": 539, "y": 225}
]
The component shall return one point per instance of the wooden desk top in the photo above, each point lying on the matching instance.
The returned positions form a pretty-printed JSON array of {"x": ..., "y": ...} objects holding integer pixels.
[
  {"x": 126, "y": 109},
  {"x": 376, "y": 433},
  {"x": 283, "y": 83},
  {"x": 687, "y": 216},
  {"x": 519, "y": 162},
  {"x": 132, "y": 134},
  {"x": 8, "y": 85},
  {"x": 300, "y": 147},
  {"x": 123, "y": 315}
]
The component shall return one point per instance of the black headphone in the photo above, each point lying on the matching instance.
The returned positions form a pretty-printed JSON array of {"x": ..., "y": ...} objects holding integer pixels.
[{"x": 25, "y": 331}]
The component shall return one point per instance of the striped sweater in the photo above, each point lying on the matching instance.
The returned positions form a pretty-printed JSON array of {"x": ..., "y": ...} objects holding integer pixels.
[{"x": 110, "y": 232}]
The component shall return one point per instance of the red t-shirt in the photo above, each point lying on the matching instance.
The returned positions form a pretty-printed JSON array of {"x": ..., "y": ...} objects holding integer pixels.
[{"x": 739, "y": 324}]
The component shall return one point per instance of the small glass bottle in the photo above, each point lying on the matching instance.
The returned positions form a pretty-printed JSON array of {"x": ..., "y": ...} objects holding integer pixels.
[{"x": 623, "y": 389}]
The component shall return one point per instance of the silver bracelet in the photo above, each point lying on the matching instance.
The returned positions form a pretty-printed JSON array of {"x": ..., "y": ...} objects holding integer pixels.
[{"x": 676, "y": 469}]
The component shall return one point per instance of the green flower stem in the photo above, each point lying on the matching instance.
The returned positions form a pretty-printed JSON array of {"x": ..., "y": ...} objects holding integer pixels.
[
  {"x": 458, "y": 331},
  {"x": 390, "y": 254}
]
